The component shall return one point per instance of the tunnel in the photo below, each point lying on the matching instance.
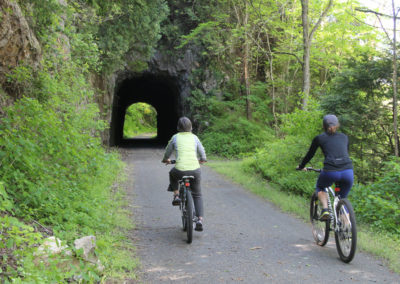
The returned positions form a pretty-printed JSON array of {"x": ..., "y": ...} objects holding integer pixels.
[{"x": 160, "y": 91}]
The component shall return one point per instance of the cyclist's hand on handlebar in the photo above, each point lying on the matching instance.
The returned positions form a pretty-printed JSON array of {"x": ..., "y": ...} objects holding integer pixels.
[
  {"x": 301, "y": 169},
  {"x": 202, "y": 161},
  {"x": 166, "y": 162}
]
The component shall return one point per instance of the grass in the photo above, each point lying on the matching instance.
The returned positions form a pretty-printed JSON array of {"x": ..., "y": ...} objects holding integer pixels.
[
  {"x": 379, "y": 244},
  {"x": 117, "y": 249}
]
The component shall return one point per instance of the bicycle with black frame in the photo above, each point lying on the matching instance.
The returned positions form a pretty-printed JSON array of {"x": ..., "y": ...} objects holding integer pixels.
[
  {"x": 342, "y": 221},
  {"x": 186, "y": 205}
]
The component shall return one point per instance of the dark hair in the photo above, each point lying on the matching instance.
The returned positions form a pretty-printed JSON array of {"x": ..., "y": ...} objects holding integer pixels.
[
  {"x": 184, "y": 124},
  {"x": 330, "y": 123}
]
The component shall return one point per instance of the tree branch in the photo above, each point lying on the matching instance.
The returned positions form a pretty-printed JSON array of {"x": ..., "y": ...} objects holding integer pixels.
[
  {"x": 378, "y": 15},
  {"x": 365, "y": 10},
  {"x": 270, "y": 52},
  {"x": 292, "y": 54},
  {"x": 323, "y": 15}
]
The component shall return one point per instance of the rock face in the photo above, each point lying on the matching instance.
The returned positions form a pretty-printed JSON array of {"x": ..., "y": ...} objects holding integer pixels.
[
  {"x": 179, "y": 68},
  {"x": 18, "y": 44},
  {"x": 169, "y": 74}
]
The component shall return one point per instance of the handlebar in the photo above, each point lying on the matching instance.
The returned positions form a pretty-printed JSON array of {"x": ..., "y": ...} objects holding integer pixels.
[
  {"x": 310, "y": 169},
  {"x": 174, "y": 162}
]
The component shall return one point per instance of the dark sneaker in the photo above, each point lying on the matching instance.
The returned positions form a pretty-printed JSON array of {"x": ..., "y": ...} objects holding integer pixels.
[
  {"x": 176, "y": 201},
  {"x": 199, "y": 226},
  {"x": 325, "y": 215}
]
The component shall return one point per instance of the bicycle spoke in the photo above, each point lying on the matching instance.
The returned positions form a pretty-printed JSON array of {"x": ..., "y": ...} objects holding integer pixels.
[
  {"x": 345, "y": 234},
  {"x": 320, "y": 229}
]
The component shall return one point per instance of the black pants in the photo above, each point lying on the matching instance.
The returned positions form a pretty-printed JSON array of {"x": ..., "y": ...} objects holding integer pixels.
[{"x": 175, "y": 175}]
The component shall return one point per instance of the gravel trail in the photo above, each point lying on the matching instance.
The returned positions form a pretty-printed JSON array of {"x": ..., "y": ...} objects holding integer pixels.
[{"x": 245, "y": 239}]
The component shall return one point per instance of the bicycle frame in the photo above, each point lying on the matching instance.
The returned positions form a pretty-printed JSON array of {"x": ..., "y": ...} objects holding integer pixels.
[
  {"x": 184, "y": 186},
  {"x": 336, "y": 198},
  {"x": 342, "y": 221},
  {"x": 187, "y": 206}
]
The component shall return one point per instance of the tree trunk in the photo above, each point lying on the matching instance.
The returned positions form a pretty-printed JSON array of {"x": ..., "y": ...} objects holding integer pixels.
[
  {"x": 395, "y": 124},
  {"x": 306, "y": 54},
  {"x": 246, "y": 64},
  {"x": 307, "y": 39}
]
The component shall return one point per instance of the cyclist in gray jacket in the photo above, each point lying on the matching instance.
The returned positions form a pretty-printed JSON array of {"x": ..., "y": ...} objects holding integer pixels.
[{"x": 189, "y": 153}]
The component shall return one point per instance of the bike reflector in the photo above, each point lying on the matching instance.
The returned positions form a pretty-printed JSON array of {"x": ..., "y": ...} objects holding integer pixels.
[
  {"x": 187, "y": 184},
  {"x": 337, "y": 189}
]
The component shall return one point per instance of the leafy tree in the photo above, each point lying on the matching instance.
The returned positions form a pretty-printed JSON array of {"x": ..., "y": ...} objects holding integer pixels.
[
  {"x": 359, "y": 96},
  {"x": 393, "y": 44}
]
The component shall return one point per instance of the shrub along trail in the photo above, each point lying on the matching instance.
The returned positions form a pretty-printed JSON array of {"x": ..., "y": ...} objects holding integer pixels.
[{"x": 246, "y": 239}]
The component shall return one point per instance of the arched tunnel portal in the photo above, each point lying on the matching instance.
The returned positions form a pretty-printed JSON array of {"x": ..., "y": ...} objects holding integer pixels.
[{"x": 160, "y": 91}]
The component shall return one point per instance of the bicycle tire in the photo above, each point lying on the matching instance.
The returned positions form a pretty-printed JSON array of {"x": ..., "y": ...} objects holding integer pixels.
[
  {"x": 183, "y": 211},
  {"x": 346, "y": 233},
  {"x": 189, "y": 216},
  {"x": 320, "y": 229}
]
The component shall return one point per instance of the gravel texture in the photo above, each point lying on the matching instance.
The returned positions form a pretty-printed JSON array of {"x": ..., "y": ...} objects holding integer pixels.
[{"x": 245, "y": 239}]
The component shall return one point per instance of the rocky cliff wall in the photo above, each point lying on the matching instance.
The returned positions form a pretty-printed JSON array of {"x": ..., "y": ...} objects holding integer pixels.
[{"x": 18, "y": 44}]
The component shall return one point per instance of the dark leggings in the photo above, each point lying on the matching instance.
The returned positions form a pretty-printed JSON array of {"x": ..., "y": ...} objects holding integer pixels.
[
  {"x": 175, "y": 175},
  {"x": 343, "y": 179}
]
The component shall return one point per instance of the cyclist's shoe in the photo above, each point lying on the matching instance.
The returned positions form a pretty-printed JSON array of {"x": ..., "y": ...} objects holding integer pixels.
[
  {"x": 325, "y": 215},
  {"x": 199, "y": 226},
  {"x": 176, "y": 201}
]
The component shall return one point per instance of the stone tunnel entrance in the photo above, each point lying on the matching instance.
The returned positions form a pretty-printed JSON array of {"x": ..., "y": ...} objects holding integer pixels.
[{"x": 160, "y": 91}]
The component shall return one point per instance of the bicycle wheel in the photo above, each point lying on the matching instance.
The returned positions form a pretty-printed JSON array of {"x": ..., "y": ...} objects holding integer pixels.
[
  {"x": 189, "y": 216},
  {"x": 346, "y": 233},
  {"x": 183, "y": 211},
  {"x": 320, "y": 229}
]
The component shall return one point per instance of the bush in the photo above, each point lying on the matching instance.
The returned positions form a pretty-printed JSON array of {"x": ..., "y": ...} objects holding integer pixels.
[
  {"x": 54, "y": 170},
  {"x": 277, "y": 160},
  {"x": 378, "y": 204},
  {"x": 231, "y": 136}
]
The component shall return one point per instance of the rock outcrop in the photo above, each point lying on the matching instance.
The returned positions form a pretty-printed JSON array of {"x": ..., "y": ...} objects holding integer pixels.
[{"x": 18, "y": 44}]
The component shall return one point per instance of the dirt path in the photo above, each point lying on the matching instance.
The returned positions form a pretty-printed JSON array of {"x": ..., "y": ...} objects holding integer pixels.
[{"x": 246, "y": 239}]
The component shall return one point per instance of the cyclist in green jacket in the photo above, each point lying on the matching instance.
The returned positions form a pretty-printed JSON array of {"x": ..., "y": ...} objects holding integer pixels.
[{"x": 189, "y": 153}]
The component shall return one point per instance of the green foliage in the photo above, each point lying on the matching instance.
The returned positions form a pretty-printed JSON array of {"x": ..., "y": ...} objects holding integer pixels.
[
  {"x": 260, "y": 99},
  {"x": 277, "y": 160},
  {"x": 378, "y": 204},
  {"x": 205, "y": 108},
  {"x": 100, "y": 33},
  {"x": 359, "y": 96},
  {"x": 6, "y": 203},
  {"x": 231, "y": 136},
  {"x": 16, "y": 242},
  {"x": 140, "y": 118},
  {"x": 132, "y": 26},
  {"x": 55, "y": 170},
  {"x": 51, "y": 163}
]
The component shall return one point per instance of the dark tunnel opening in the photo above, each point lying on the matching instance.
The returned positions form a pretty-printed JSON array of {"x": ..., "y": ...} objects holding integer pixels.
[{"x": 161, "y": 92}]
